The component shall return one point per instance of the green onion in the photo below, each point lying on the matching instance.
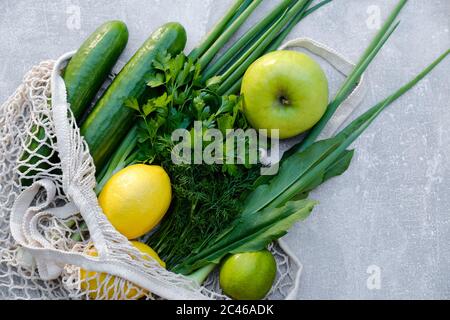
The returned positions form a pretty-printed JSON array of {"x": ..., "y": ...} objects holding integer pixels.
[
  {"x": 227, "y": 75},
  {"x": 237, "y": 70},
  {"x": 219, "y": 28},
  {"x": 206, "y": 58},
  {"x": 245, "y": 40},
  {"x": 277, "y": 42},
  {"x": 370, "y": 53},
  {"x": 351, "y": 133},
  {"x": 120, "y": 160}
]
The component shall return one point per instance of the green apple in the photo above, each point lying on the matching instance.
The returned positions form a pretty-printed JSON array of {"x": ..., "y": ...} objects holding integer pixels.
[{"x": 285, "y": 90}]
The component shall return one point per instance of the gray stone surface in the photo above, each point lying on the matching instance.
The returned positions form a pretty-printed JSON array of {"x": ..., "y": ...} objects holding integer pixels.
[{"x": 388, "y": 217}]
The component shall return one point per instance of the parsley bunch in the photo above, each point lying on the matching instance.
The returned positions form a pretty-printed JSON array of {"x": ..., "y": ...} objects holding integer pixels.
[
  {"x": 182, "y": 99},
  {"x": 199, "y": 87},
  {"x": 206, "y": 198}
]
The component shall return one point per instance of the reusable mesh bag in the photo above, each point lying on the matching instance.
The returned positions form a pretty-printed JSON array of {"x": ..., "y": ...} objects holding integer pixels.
[{"x": 47, "y": 180}]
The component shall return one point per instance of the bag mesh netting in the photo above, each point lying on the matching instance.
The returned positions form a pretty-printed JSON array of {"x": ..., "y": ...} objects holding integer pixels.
[{"x": 47, "y": 180}]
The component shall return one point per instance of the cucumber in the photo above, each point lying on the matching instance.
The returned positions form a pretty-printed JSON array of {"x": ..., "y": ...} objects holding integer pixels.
[
  {"x": 110, "y": 120},
  {"x": 39, "y": 156},
  {"x": 92, "y": 63},
  {"x": 83, "y": 76}
]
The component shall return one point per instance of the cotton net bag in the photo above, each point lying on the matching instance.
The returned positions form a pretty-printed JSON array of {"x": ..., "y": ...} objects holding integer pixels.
[{"x": 48, "y": 196}]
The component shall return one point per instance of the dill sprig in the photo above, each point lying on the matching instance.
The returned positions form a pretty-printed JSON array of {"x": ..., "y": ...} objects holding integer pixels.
[{"x": 205, "y": 202}]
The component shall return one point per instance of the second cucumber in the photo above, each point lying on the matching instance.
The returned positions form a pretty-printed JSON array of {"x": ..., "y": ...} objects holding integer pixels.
[{"x": 110, "y": 120}]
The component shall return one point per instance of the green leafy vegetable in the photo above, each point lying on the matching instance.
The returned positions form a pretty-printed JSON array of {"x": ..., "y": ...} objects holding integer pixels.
[
  {"x": 352, "y": 80},
  {"x": 186, "y": 94},
  {"x": 291, "y": 170},
  {"x": 252, "y": 231},
  {"x": 206, "y": 198},
  {"x": 312, "y": 164}
]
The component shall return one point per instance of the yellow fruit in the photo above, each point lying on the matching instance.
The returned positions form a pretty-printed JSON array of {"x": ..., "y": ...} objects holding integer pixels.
[
  {"x": 136, "y": 198},
  {"x": 142, "y": 247},
  {"x": 97, "y": 287}
]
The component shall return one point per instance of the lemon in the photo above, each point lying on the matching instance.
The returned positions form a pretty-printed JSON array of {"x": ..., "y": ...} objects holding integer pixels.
[
  {"x": 136, "y": 198},
  {"x": 142, "y": 247},
  {"x": 248, "y": 276},
  {"x": 97, "y": 287}
]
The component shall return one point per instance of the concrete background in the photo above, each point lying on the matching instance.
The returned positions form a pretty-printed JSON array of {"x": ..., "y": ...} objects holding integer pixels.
[{"x": 382, "y": 230}]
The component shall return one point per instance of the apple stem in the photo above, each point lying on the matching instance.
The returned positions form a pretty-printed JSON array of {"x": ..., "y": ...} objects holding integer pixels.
[{"x": 284, "y": 101}]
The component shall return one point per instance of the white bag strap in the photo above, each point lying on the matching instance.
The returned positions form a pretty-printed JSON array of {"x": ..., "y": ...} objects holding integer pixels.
[
  {"x": 36, "y": 250},
  {"x": 50, "y": 261},
  {"x": 343, "y": 66},
  {"x": 71, "y": 156},
  {"x": 24, "y": 225}
]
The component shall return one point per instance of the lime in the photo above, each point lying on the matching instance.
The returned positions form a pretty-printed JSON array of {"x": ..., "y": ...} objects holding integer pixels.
[
  {"x": 136, "y": 198},
  {"x": 248, "y": 276}
]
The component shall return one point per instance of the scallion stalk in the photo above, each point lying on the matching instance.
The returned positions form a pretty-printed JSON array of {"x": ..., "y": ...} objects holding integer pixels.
[
  {"x": 351, "y": 133},
  {"x": 219, "y": 28},
  {"x": 245, "y": 40},
  {"x": 283, "y": 35},
  {"x": 213, "y": 49},
  {"x": 257, "y": 45},
  {"x": 345, "y": 90},
  {"x": 238, "y": 69},
  {"x": 200, "y": 275},
  {"x": 120, "y": 159}
]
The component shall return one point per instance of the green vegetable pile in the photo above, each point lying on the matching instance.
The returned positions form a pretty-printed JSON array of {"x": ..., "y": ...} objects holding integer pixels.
[
  {"x": 206, "y": 197},
  {"x": 278, "y": 202},
  {"x": 220, "y": 208},
  {"x": 184, "y": 89}
]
